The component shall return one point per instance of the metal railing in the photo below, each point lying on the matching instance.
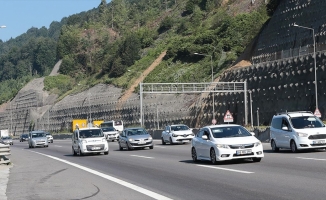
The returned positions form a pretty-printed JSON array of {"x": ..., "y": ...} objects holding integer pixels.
[{"x": 4, "y": 152}]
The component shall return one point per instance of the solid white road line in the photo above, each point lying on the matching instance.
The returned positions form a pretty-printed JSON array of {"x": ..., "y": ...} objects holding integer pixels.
[
  {"x": 233, "y": 170},
  {"x": 113, "y": 179},
  {"x": 57, "y": 146},
  {"x": 142, "y": 156},
  {"x": 311, "y": 158}
]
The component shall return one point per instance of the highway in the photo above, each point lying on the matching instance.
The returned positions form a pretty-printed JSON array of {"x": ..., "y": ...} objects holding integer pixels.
[{"x": 166, "y": 172}]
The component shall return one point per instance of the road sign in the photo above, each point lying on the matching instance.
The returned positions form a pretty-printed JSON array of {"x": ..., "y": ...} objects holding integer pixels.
[
  {"x": 317, "y": 113},
  {"x": 213, "y": 121},
  {"x": 228, "y": 117}
]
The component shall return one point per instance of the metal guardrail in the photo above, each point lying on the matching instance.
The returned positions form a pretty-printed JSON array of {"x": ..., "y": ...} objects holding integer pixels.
[{"x": 4, "y": 151}]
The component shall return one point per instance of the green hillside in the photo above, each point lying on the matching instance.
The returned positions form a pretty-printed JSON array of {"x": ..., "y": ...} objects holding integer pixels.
[{"x": 115, "y": 42}]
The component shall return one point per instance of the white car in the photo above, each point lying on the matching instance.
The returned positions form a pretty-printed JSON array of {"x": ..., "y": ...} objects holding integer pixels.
[
  {"x": 110, "y": 133},
  {"x": 296, "y": 131},
  {"x": 225, "y": 142},
  {"x": 89, "y": 140},
  {"x": 175, "y": 134}
]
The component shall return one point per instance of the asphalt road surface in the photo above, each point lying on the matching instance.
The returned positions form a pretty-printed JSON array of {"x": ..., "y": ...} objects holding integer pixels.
[{"x": 166, "y": 172}]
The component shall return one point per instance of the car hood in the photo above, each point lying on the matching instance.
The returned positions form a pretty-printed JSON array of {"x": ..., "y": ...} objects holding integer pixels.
[
  {"x": 110, "y": 132},
  {"x": 312, "y": 131},
  {"x": 236, "y": 140},
  {"x": 39, "y": 138},
  {"x": 182, "y": 132},
  {"x": 137, "y": 137}
]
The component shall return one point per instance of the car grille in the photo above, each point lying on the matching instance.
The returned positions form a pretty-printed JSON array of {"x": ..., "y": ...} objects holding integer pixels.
[
  {"x": 241, "y": 146},
  {"x": 95, "y": 147},
  {"x": 316, "y": 145},
  {"x": 316, "y": 137}
]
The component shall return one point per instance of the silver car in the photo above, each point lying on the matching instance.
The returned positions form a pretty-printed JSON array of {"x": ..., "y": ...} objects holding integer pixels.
[
  {"x": 132, "y": 138},
  {"x": 7, "y": 140},
  {"x": 37, "y": 139}
]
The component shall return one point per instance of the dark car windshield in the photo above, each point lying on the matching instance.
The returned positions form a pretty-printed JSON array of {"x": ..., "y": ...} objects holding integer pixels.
[
  {"x": 107, "y": 129},
  {"x": 306, "y": 122},
  {"x": 179, "y": 128},
  {"x": 233, "y": 131},
  {"x": 36, "y": 135},
  {"x": 24, "y": 136},
  {"x": 132, "y": 132},
  {"x": 91, "y": 133},
  {"x": 6, "y": 138}
]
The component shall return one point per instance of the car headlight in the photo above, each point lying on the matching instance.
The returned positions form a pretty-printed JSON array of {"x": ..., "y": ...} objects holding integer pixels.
[
  {"x": 257, "y": 144},
  {"x": 130, "y": 139},
  {"x": 103, "y": 140},
  {"x": 174, "y": 135},
  {"x": 83, "y": 141},
  {"x": 224, "y": 146},
  {"x": 302, "y": 134},
  {"x": 150, "y": 138}
]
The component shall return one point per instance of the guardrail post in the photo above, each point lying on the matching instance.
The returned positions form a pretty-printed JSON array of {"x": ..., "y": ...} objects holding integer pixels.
[{"x": 4, "y": 151}]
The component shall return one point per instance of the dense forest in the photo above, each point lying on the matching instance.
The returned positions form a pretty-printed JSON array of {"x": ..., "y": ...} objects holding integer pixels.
[{"x": 116, "y": 41}]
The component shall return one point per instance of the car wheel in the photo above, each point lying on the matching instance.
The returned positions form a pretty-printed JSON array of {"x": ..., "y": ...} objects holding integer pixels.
[
  {"x": 293, "y": 147},
  {"x": 213, "y": 156},
  {"x": 274, "y": 147},
  {"x": 256, "y": 159},
  {"x": 120, "y": 147},
  {"x": 163, "y": 142},
  {"x": 106, "y": 153},
  {"x": 152, "y": 147},
  {"x": 79, "y": 152},
  {"x": 128, "y": 148},
  {"x": 73, "y": 151},
  {"x": 171, "y": 141},
  {"x": 194, "y": 154}
]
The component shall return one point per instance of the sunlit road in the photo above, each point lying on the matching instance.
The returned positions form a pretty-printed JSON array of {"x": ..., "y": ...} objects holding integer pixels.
[{"x": 166, "y": 172}]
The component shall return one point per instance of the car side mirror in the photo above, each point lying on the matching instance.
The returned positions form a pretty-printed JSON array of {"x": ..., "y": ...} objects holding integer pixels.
[
  {"x": 284, "y": 128},
  {"x": 252, "y": 133},
  {"x": 204, "y": 137}
]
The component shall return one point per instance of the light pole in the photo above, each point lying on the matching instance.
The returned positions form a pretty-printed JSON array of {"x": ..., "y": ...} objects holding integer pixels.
[
  {"x": 313, "y": 34},
  {"x": 251, "y": 117},
  {"x": 257, "y": 116},
  {"x": 212, "y": 80}
]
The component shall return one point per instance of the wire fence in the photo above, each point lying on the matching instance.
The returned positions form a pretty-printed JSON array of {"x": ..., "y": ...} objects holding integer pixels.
[{"x": 267, "y": 57}]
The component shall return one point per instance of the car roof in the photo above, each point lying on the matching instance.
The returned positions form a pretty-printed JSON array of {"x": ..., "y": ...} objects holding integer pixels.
[
  {"x": 134, "y": 128},
  {"x": 296, "y": 114},
  {"x": 178, "y": 125},
  {"x": 221, "y": 125},
  {"x": 37, "y": 132},
  {"x": 89, "y": 128}
]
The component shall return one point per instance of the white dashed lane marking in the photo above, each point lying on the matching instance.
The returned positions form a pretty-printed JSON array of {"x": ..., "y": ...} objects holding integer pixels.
[
  {"x": 142, "y": 156},
  {"x": 319, "y": 159},
  {"x": 226, "y": 169}
]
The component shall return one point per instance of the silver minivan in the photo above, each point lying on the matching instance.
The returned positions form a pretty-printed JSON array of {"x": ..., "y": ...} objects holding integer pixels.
[{"x": 297, "y": 131}]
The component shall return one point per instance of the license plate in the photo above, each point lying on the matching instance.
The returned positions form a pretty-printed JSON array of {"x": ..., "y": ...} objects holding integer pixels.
[
  {"x": 319, "y": 142},
  {"x": 141, "y": 142},
  {"x": 244, "y": 152},
  {"x": 96, "y": 148}
]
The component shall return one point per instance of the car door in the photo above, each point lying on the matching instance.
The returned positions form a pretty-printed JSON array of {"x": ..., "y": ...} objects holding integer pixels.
[
  {"x": 122, "y": 139},
  {"x": 206, "y": 144},
  {"x": 286, "y": 132},
  {"x": 75, "y": 140},
  {"x": 167, "y": 133}
]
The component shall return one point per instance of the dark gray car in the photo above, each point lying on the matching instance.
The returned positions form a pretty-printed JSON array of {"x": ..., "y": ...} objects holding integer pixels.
[{"x": 132, "y": 138}]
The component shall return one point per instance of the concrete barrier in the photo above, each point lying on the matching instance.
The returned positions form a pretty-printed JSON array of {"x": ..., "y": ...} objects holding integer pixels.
[{"x": 4, "y": 152}]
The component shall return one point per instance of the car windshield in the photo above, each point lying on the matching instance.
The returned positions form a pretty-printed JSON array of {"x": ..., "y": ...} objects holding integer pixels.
[
  {"x": 6, "y": 138},
  {"x": 108, "y": 129},
  {"x": 132, "y": 132},
  {"x": 91, "y": 133},
  {"x": 37, "y": 135},
  {"x": 231, "y": 131},
  {"x": 25, "y": 136},
  {"x": 306, "y": 122},
  {"x": 179, "y": 128}
]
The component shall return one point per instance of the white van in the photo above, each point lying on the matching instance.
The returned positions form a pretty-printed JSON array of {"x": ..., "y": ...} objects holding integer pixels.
[
  {"x": 296, "y": 131},
  {"x": 89, "y": 140}
]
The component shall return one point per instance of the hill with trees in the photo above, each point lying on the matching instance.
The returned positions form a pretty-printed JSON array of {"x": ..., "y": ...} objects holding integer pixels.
[{"x": 117, "y": 41}]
